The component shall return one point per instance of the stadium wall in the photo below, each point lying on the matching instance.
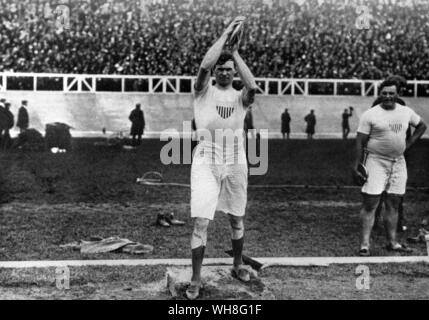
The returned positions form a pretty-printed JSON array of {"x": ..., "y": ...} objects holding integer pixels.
[{"x": 88, "y": 113}]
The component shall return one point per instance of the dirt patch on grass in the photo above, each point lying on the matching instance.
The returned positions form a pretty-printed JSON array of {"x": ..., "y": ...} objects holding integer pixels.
[
  {"x": 127, "y": 283},
  {"x": 218, "y": 284},
  {"x": 387, "y": 281}
]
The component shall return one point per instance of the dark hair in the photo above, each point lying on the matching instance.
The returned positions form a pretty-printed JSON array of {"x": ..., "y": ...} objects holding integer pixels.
[
  {"x": 224, "y": 57},
  {"x": 401, "y": 82},
  {"x": 389, "y": 83}
]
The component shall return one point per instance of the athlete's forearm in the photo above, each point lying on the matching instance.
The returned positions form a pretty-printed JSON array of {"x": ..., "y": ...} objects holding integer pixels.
[
  {"x": 361, "y": 141},
  {"x": 417, "y": 134},
  {"x": 214, "y": 52},
  {"x": 244, "y": 72},
  {"x": 359, "y": 153}
]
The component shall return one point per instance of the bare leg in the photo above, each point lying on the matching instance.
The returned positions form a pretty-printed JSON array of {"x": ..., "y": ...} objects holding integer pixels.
[
  {"x": 401, "y": 218},
  {"x": 370, "y": 203},
  {"x": 391, "y": 220},
  {"x": 237, "y": 238},
  {"x": 379, "y": 209},
  {"x": 198, "y": 245}
]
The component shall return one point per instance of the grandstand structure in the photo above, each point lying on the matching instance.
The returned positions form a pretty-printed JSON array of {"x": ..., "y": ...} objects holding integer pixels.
[
  {"x": 153, "y": 84},
  {"x": 89, "y": 103}
]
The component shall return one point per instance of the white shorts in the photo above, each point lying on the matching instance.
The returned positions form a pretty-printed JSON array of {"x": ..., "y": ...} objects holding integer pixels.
[
  {"x": 217, "y": 187},
  {"x": 385, "y": 174}
]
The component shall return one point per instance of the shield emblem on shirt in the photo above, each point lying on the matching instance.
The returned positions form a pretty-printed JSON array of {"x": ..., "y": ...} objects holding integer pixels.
[
  {"x": 224, "y": 112},
  {"x": 395, "y": 127}
]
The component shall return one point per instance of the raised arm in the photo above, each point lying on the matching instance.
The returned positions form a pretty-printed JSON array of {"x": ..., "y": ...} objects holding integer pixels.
[
  {"x": 212, "y": 56},
  {"x": 247, "y": 77}
]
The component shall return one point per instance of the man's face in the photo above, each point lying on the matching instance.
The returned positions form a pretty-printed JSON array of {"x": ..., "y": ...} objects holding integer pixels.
[
  {"x": 389, "y": 95},
  {"x": 224, "y": 73}
]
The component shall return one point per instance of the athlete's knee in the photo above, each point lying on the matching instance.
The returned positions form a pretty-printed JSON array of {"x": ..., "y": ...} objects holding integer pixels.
[
  {"x": 393, "y": 201},
  {"x": 237, "y": 227},
  {"x": 370, "y": 203},
  {"x": 199, "y": 235}
]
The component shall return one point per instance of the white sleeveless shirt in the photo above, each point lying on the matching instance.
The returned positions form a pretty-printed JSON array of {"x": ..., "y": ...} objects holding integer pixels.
[{"x": 219, "y": 116}]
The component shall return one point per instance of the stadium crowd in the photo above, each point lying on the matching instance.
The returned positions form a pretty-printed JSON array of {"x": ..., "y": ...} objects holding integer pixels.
[{"x": 313, "y": 39}]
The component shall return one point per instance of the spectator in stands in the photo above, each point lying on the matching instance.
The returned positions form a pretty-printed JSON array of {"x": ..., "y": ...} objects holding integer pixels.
[
  {"x": 286, "y": 123},
  {"x": 345, "y": 123},
  {"x": 137, "y": 124},
  {"x": 311, "y": 124},
  {"x": 168, "y": 38},
  {"x": 23, "y": 119}
]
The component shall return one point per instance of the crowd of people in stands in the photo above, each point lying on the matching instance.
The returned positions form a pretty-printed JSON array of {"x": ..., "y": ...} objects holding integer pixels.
[{"x": 300, "y": 39}]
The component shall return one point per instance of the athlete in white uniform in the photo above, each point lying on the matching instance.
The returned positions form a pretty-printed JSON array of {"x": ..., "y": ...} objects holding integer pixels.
[
  {"x": 219, "y": 167},
  {"x": 382, "y": 132}
]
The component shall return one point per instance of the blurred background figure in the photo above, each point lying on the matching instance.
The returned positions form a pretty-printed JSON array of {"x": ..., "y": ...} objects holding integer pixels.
[
  {"x": 194, "y": 130},
  {"x": 137, "y": 124},
  {"x": 345, "y": 124},
  {"x": 311, "y": 124},
  {"x": 286, "y": 123},
  {"x": 248, "y": 123},
  {"x": 23, "y": 119},
  {"x": 6, "y": 123}
]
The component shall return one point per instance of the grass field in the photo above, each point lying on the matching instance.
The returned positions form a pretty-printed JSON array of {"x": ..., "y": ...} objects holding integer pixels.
[{"x": 52, "y": 199}]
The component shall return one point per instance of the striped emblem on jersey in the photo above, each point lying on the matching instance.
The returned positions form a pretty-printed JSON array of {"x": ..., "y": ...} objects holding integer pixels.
[
  {"x": 396, "y": 127},
  {"x": 224, "y": 112}
]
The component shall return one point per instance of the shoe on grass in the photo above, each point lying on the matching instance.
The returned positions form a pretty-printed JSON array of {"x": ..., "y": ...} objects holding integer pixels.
[
  {"x": 399, "y": 248},
  {"x": 420, "y": 238},
  {"x": 364, "y": 252},
  {"x": 173, "y": 221},
  {"x": 193, "y": 291},
  {"x": 162, "y": 221},
  {"x": 241, "y": 273}
]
